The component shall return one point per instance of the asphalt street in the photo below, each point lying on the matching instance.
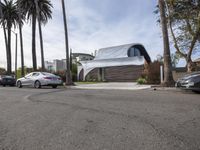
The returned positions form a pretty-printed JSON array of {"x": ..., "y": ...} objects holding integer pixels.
[{"x": 73, "y": 119}]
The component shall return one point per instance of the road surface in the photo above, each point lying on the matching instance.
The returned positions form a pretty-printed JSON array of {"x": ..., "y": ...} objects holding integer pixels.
[{"x": 72, "y": 119}]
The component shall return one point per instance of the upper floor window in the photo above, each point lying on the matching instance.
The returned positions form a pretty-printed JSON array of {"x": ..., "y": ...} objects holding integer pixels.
[{"x": 133, "y": 51}]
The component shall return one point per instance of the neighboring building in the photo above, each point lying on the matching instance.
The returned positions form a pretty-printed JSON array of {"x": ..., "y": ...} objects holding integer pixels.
[
  {"x": 49, "y": 66},
  {"x": 56, "y": 65},
  {"x": 77, "y": 57},
  {"x": 60, "y": 65},
  {"x": 119, "y": 63}
]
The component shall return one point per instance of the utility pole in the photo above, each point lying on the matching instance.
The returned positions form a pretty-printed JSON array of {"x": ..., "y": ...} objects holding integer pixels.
[
  {"x": 68, "y": 71},
  {"x": 16, "y": 56},
  {"x": 71, "y": 55},
  {"x": 21, "y": 40}
]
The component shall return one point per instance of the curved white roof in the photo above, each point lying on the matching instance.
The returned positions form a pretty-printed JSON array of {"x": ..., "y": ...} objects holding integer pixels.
[{"x": 114, "y": 52}]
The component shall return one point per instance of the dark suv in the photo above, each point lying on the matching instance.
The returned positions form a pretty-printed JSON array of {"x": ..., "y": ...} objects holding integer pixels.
[{"x": 7, "y": 80}]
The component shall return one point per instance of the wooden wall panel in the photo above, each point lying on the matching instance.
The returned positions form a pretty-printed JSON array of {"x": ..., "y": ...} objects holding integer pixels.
[{"x": 118, "y": 74}]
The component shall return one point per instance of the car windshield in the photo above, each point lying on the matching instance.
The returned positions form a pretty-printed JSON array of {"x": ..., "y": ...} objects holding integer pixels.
[
  {"x": 5, "y": 76},
  {"x": 8, "y": 77}
]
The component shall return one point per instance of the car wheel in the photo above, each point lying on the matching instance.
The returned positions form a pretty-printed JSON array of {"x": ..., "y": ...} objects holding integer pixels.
[
  {"x": 4, "y": 85},
  {"x": 54, "y": 86},
  {"x": 37, "y": 85},
  {"x": 19, "y": 84}
]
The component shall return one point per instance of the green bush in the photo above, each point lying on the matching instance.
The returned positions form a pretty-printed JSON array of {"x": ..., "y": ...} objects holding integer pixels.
[{"x": 141, "y": 81}]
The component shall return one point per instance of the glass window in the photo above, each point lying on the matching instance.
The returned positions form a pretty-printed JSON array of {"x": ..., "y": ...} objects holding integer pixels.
[
  {"x": 47, "y": 74},
  {"x": 134, "y": 52},
  {"x": 28, "y": 75},
  {"x": 35, "y": 74},
  {"x": 137, "y": 52},
  {"x": 131, "y": 52}
]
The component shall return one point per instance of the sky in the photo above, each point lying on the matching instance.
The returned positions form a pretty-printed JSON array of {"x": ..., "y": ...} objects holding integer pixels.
[{"x": 93, "y": 24}]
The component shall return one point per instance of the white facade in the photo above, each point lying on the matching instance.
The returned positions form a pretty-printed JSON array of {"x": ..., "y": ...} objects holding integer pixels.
[{"x": 123, "y": 55}]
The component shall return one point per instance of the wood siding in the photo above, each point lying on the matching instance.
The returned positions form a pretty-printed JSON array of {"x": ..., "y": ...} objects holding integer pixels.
[{"x": 117, "y": 74}]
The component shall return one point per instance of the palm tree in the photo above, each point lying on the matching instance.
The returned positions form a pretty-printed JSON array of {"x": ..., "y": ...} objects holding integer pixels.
[
  {"x": 68, "y": 72},
  {"x": 21, "y": 18},
  {"x": 9, "y": 19},
  {"x": 42, "y": 19},
  {"x": 168, "y": 78},
  {"x": 29, "y": 8},
  {"x": 4, "y": 28}
]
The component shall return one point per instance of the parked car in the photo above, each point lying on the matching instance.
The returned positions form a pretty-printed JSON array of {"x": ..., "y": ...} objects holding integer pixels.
[
  {"x": 190, "y": 81},
  {"x": 7, "y": 80},
  {"x": 39, "y": 79}
]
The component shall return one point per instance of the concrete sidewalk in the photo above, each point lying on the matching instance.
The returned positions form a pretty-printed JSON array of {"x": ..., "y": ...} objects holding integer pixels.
[{"x": 113, "y": 86}]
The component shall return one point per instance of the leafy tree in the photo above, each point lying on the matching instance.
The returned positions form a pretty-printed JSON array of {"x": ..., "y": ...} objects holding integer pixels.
[
  {"x": 74, "y": 72},
  {"x": 8, "y": 20},
  {"x": 184, "y": 24},
  {"x": 26, "y": 71}
]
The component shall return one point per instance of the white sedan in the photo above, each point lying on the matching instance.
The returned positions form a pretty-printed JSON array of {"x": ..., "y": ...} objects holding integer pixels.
[{"x": 39, "y": 79}]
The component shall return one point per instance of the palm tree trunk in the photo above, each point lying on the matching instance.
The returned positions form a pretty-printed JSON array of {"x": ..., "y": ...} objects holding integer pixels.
[
  {"x": 9, "y": 60},
  {"x": 41, "y": 45},
  {"x": 168, "y": 78},
  {"x": 34, "y": 43},
  {"x": 5, "y": 36},
  {"x": 68, "y": 72},
  {"x": 4, "y": 30},
  {"x": 22, "y": 50},
  {"x": 40, "y": 34}
]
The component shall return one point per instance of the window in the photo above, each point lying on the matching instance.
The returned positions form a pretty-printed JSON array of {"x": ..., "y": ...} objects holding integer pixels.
[
  {"x": 47, "y": 74},
  {"x": 133, "y": 51},
  {"x": 28, "y": 75},
  {"x": 137, "y": 52},
  {"x": 35, "y": 74}
]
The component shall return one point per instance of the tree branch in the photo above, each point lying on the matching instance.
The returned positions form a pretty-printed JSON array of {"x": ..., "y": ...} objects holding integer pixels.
[
  {"x": 172, "y": 32},
  {"x": 189, "y": 26},
  {"x": 195, "y": 38}
]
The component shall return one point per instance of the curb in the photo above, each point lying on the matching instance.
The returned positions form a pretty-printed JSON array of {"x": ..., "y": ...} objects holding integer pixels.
[{"x": 110, "y": 88}]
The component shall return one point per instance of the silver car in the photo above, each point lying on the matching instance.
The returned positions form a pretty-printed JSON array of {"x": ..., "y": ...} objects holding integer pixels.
[{"x": 39, "y": 79}]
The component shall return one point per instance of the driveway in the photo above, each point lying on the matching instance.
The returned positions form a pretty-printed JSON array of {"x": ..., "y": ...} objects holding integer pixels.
[
  {"x": 73, "y": 119},
  {"x": 113, "y": 86}
]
